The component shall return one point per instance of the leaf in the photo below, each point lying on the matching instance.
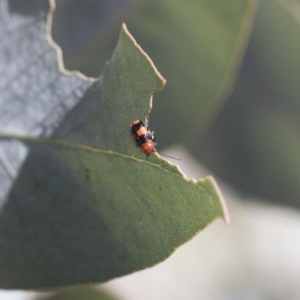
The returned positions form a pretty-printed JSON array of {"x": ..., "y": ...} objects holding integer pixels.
[
  {"x": 85, "y": 206},
  {"x": 34, "y": 96},
  {"x": 258, "y": 131},
  {"x": 293, "y": 6}
]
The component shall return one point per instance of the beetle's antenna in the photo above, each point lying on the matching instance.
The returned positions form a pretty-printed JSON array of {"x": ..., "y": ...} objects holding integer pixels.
[{"x": 170, "y": 156}]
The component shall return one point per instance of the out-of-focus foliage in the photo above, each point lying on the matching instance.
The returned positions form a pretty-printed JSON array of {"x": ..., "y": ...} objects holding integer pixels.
[
  {"x": 293, "y": 6},
  {"x": 255, "y": 143}
]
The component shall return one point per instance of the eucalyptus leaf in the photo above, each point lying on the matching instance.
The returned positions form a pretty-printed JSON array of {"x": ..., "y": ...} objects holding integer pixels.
[
  {"x": 257, "y": 134},
  {"x": 86, "y": 206},
  {"x": 293, "y": 6}
]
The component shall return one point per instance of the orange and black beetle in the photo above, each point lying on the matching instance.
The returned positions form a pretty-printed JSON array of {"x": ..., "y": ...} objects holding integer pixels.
[{"x": 143, "y": 137}]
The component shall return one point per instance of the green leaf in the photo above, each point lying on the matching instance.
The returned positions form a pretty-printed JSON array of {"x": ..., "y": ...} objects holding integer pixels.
[
  {"x": 293, "y": 6},
  {"x": 85, "y": 206},
  {"x": 258, "y": 131}
]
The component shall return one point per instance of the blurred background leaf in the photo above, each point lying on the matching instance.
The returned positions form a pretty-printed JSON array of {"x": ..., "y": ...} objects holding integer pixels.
[
  {"x": 255, "y": 143},
  {"x": 34, "y": 95},
  {"x": 293, "y": 6}
]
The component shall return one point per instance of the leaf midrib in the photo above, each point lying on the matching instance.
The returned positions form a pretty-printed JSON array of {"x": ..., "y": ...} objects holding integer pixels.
[{"x": 77, "y": 146}]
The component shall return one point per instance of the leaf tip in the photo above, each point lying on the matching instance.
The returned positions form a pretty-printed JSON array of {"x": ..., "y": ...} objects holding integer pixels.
[
  {"x": 162, "y": 80},
  {"x": 226, "y": 216}
]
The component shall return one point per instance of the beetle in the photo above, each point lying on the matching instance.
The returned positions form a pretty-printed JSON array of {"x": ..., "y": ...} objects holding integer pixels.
[{"x": 143, "y": 137}]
